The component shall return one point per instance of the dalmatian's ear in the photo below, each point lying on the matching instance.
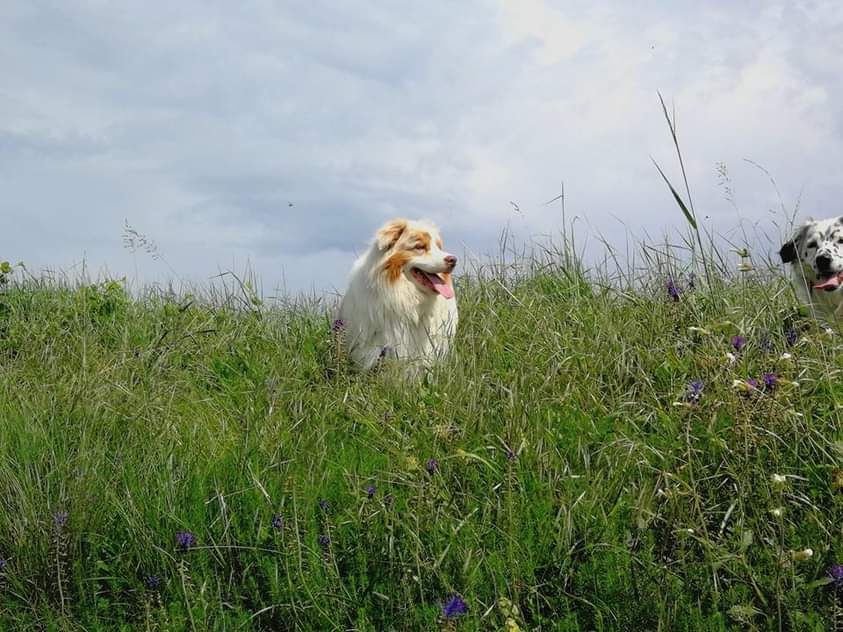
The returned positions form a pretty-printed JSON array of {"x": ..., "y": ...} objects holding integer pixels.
[{"x": 789, "y": 252}]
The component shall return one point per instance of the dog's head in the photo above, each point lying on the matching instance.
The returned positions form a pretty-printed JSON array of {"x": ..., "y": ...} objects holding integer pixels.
[
  {"x": 816, "y": 250},
  {"x": 413, "y": 250}
]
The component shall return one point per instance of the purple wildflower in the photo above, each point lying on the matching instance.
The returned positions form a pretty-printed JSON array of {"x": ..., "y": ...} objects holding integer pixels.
[
  {"x": 2, "y": 564},
  {"x": 738, "y": 342},
  {"x": 836, "y": 575},
  {"x": 694, "y": 393},
  {"x": 324, "y": 505},
  {"x": 771, "y": 380},
  {"x": 791, "y": 336},
  {"x": 152, "y": 582},
  {"x": 750, "y": 387},
  {"x": 454, "y": 607},
  {"x": 337, "y": 326},
  {"x": 510, "y": 455},
  {"x": 385, "y": 350},
  {"x": 277, "y": 522},
  {"x": 431, "y": 466},
  {"x": 324, "y": 540},
  {"x": 370, "y": 491},
  {"x": 60, "y": 518},
  {"x": 673, "y": 291},
  {"x": 185, "y": 540}
]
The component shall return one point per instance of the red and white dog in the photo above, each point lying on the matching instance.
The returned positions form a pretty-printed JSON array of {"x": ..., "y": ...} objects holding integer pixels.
[{"x": 400, "y": 300}]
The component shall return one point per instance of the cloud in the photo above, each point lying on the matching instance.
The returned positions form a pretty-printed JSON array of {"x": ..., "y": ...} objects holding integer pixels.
[{"x": 282, "y": 136}]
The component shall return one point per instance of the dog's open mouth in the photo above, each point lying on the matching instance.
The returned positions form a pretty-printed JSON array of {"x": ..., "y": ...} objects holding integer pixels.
[
  {"x": 830, "y": 283},
  {"x": 433, "y": 282}
]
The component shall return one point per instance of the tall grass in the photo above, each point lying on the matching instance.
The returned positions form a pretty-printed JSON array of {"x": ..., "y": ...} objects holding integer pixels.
[{"x": 576, "y": 482}]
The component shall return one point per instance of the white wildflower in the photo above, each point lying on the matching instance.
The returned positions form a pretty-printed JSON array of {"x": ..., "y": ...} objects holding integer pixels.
[{"x": 801, "y": 556}]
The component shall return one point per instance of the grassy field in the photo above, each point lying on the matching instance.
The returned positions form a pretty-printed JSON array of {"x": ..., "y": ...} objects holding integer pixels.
[{"x": 586, "y": 460}]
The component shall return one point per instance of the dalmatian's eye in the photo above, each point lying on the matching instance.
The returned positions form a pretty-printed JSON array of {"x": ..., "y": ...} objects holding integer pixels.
[{"x": 813, "y": 244}]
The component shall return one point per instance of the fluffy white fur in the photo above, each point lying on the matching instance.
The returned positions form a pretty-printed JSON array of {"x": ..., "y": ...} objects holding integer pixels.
[
  {"x": 389, "y": 308},
  {"x": 816, "y": 271}
]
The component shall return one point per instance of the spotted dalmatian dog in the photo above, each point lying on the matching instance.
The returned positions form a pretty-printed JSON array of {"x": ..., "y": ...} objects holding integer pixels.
[{"x": 816, "y": 271}]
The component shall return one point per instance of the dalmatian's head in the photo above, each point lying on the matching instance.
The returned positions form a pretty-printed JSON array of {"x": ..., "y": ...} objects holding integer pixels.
[{"x": 816, "y": 252}]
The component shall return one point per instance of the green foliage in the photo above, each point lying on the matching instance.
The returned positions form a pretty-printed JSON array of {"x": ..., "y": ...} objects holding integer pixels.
[{"x": 578, "y": 488}]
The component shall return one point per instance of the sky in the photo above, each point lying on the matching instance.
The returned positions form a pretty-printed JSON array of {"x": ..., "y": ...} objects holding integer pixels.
[{"x": 277, "y": 136}]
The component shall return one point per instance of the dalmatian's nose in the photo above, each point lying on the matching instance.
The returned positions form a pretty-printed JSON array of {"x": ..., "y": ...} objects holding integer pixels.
[{"x": 823, "y": 263}]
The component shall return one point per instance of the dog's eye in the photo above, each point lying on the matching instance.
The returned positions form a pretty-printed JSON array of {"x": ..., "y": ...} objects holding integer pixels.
[
  {"x": 813, "y": 244},
  {"x": 419, "y": 247}
]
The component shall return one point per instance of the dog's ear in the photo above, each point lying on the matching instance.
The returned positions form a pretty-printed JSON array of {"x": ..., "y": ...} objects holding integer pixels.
[
  {"x": 389, "y": 233},
  {"x": 788, "y": 252}
]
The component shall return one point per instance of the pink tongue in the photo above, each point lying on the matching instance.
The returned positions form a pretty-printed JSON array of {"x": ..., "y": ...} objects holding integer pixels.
[
  {"x": 440, "y": 286},
  {"x": 831, "y": 283}
]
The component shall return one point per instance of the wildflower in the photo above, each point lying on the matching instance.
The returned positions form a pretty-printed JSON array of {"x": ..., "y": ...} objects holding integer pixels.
[
  {"x": 152, "y": 582},
  {"x": 60, "y": 518},
  {"x": 277, "y": 522},
  {"x": 731, "y": 358},
  {"x": 786, "y": 356},
  {"x": 803, "y": 555},
  {"x": 511, "y": 625},
  {"x": 694, "y": 392},
  {"x": 778, "y": 512},
  {"x": 385, "y": 350},
  {"x": 746, "y": 387},
  {"x": 185, "y": 540},
  {"x": 673, "y": 291},
  {"x": 431, "y": 466},
  {"x": 508, "y": 609},
  {"x": 738, "y": 342},
  {"x": 510, "y": 455},
  {"x": 835, "y": 573},
  {"x": 454, "y": 607},
  {"x": 745, "y": 266},
  {"x": 837, "y": 478},
  {"x": 2, "y": 564},
  {"x": 770, "y": 381},
  {"x": 370, "y": 491},
  {"x": 743, "y": 613},
  {"x": 324, "y": 505},
  {"x": 324, "y": 540},
  {"x": 337, "y": 326},
  {"x": 790, "y": 336},
  {"x": 779, "y": 480}
]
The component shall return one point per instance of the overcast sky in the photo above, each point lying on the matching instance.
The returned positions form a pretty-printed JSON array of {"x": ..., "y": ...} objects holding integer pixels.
[{"x": 280, "y": 134}]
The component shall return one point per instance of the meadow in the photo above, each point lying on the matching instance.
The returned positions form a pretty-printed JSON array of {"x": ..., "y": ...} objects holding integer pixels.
[{"x": 652, "y": 451}]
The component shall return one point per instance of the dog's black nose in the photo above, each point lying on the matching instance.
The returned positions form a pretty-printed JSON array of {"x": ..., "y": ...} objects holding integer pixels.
[
  {"x": 823, "y": 263},
  {"x": 451, "y": 260}
]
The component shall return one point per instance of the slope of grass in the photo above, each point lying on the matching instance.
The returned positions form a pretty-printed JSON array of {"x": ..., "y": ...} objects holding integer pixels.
[{"x": 575, "y": 483}]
